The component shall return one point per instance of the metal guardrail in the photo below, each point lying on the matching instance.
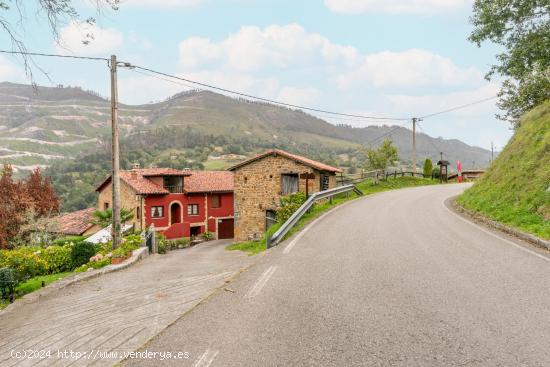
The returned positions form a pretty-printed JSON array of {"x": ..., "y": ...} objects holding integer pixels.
[{"x": 294, "y": 218}]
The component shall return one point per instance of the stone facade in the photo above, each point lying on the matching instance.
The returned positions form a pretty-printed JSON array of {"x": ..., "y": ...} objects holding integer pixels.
[
  {"x": 128, "y": 200},
  {"x": 257, "y": 189}
]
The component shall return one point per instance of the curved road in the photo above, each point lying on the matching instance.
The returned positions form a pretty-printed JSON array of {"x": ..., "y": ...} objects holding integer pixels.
[{"x": 394, "y": 279}]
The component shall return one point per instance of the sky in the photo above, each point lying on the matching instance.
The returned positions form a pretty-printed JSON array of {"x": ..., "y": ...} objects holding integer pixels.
[{"x": 388, "y": 58}]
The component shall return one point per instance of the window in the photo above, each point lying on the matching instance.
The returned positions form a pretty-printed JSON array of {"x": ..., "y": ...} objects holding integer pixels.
[
  {"x": 325, "y": 181},
  {"x": 289, "y": 183},
  {"x": 157, "y": 212},
  {"x": 105, "y": 206},
  {"x": 193, "y": 209},
  {"x": 216, "y": 201},
  {"x": 138, "y": 213}
]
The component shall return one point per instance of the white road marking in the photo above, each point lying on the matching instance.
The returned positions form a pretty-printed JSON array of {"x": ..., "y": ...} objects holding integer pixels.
[
  {"x": 496, "y": 235},
  {"x": 260, "y": 283},
  {"x": 207, "y": 358}
]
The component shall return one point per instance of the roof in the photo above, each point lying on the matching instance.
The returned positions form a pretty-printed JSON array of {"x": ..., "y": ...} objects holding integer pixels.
[
  {"x": 137, "y": 179},
  {"x": 75, "y": 223},
  {"x": 297, "y": 158},
  {"x": 195, "y": 181},
  {"x": 209, "y": 181},
  {"x": 443, "y": 162}
]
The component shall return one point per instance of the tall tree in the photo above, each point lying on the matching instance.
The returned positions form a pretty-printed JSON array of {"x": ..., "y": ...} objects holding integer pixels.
[
  {"x": 42, "y": 194},
  {"x": 382, "y": 157},
  {"x": 522, "y": 27},
  {"x": 428, "y": 167},
  {"x": 14, "y": 204}
]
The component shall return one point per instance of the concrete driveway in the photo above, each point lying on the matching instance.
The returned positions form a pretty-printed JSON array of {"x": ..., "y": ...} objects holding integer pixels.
[{"x": 95, "y": 322}]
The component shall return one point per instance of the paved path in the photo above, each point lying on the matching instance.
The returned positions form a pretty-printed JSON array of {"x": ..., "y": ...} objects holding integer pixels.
[
  {"x": 389, "y": 280},
  {"x": 117, "y": 312}
]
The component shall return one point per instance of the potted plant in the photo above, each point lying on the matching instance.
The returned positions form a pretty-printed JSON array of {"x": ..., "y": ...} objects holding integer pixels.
[{"x": 119, "y": 255}]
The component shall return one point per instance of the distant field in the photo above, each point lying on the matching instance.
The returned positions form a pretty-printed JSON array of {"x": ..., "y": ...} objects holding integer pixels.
[{"x": 217, "y": 165}]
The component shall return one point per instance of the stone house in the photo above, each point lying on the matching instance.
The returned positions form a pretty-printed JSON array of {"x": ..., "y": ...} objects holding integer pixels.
[
  {"x": 261, "y": 181},
  {"x": 179, "y": 203}
]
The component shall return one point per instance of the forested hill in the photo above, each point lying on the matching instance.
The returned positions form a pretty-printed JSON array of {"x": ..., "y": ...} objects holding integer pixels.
[{"x": 58, "y": 126}]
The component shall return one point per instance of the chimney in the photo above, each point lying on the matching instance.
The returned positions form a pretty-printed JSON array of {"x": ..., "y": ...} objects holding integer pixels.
[{"x": 135, "y": 166}]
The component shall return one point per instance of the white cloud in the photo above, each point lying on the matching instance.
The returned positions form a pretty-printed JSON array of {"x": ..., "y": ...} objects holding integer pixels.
[
  {"x": 7, "y": 70},
  {"x": 280, "y": 47},
  {"x": 299, "y": 96},
  {"x": 411, "y": 68},
  {"x": 101, "y": 40},
  {"x": 161, "y": 3},
  {"x": 396, "y": 6}
]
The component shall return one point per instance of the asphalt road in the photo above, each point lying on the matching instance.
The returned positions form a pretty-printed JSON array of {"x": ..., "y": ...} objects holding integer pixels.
[{"x": 394, "y": 279}]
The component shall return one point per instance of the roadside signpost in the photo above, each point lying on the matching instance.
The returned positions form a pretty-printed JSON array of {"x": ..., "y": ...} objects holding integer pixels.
[{"x": 307, "y": 176}]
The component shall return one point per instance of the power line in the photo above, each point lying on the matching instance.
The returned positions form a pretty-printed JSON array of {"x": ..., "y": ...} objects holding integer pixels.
[
  {"x": 430, "y": 138},
  {"x": 388, "y": 133},
  {"x": 54, "y": 55},
  {"x": 459, "y": 107},
  {"x": 267, "y": 99}
]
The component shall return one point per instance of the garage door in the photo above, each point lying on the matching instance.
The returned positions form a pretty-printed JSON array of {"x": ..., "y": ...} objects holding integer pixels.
[{"x": 225, "y": 228}]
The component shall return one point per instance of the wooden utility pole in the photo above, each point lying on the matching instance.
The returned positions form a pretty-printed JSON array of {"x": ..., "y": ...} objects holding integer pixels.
[
  {"x": 115, "y": 178},
  {"x": 414, "y": 146}
]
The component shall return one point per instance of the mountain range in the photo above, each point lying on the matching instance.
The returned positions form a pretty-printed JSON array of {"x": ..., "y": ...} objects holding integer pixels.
[{"x": 41, "y": 125}]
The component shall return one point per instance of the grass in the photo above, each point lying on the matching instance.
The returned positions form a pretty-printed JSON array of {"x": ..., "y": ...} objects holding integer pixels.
[
  {"x": 217, "y": 165},
  {"x": 367, "y": 187},
  {"x": 34, "y": 284},
  {"x": 515, "y": 189}
]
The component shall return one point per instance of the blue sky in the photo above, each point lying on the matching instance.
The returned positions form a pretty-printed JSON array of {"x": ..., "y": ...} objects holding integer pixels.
[{"x": 398, "y": 58}]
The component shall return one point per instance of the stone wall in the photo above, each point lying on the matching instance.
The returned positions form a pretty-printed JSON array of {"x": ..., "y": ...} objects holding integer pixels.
[
  {"x": 258, "y": 188},
  {"x": 127, "y": 201}
]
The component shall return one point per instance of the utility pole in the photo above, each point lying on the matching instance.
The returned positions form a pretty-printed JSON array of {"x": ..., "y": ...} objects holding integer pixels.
[
  {"x": 414, "y": 145},
  {"x": 116, "y": 230}
]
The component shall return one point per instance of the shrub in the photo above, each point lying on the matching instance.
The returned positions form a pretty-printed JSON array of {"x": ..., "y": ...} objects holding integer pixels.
[
  {"x": 162, "y": 245},
  {"x": 183, "y": 242},
  {"x": 120, "y": 252},
  {"x": 289, "y": 204},
  {"x": 67, "y": 240},
  {"x": 207, "y": 236},
  {"x": 133, "y": 241},
  {"x": 94, "y": 265},
  {"x": 81, "y": 253},
  {"x": 8, "y": 282},
  {"x": 58, "y": 258},
  {"x": 428, "y": 167},
  {"x": 25, "y": 262}
]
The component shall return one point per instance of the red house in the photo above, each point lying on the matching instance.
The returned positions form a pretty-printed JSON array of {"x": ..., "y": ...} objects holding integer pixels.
[{"x": 179, "y": 203}]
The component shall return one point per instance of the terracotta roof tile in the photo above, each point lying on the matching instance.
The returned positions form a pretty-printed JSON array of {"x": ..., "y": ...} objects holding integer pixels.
[
  {"x": 137, "y": 179},
  {"x": 209, "y": 181},
  {"x": 308, "y": 162},
  {"x": 75, "y": 223}
]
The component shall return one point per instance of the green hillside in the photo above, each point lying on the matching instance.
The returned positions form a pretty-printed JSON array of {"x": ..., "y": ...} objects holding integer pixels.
[{"x": 516, "y": 188}]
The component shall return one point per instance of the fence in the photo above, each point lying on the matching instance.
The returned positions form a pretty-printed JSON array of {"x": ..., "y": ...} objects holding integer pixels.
[
  {"x": 291, "y": 222},
  {"x": 374, "y": 175}
]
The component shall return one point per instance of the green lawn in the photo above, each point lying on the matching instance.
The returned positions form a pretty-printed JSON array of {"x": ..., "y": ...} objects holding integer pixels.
[
  {"x": 367, "y": 187},
  {"x": 217, "y": 165},
  {"x": 34, "y": 284}
]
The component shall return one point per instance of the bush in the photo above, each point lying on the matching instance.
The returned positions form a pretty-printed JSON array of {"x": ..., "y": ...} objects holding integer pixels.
[
  {"x": 24, "y": 261},
  {"x": 120, "y": 253},
  {"x": 94, "y": 265},
  {"x": 183, "y": 242},
  {"x": 58, "y": 258},
  {"x": 133, "y": 241},
  {"x": 8, "y": 282},
  {"x": 207, "y": 236},
  {"x": 81, "y": 253},
  {"x": 67, "y": 240},
  {"x": 428, "y": 167},
  {"x": 289, "y": 204},
  {"x": 162, "y": 245}
]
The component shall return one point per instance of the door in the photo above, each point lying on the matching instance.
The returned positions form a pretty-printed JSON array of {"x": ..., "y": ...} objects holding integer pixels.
[{"x": 225, "y": 228}]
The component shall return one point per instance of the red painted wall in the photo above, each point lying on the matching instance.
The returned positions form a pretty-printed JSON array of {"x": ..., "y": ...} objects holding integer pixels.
[{"x": 179, "y": 230}]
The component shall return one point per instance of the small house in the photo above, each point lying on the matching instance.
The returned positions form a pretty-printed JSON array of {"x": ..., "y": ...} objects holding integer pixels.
[{"x": 260, "y": 182}]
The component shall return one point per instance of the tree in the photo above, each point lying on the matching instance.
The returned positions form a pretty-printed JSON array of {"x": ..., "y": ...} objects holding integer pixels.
[
  {"x": 385, "y": 155},
  {"x": 522, "y": 27},
  {"x": 428, "y": 167},
  {"x": 42, "y": 194},
  {"x": 13, "y": 206},
  {"x": 13, "y": 14},
  {"x": 105, "y": 217}
]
